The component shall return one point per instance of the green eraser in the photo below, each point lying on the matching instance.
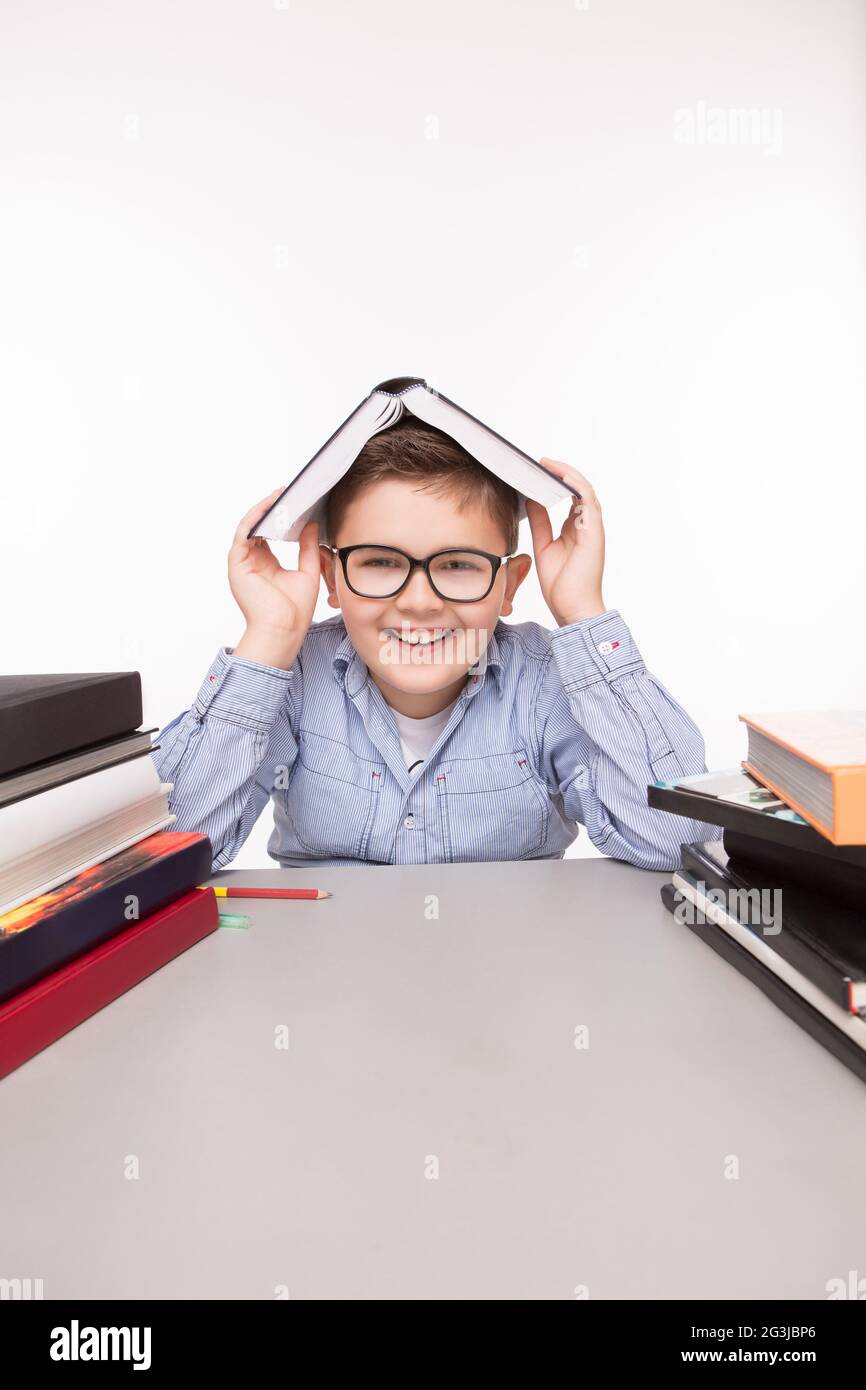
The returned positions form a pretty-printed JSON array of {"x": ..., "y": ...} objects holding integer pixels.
[{"x": 234, "y": 919}]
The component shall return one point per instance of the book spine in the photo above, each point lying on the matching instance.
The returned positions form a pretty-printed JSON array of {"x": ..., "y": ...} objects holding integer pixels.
[
  {"x": 788, "y": 943},
  {"x": 43, "y": 1013},
  {"x": 777, "y": 990}
]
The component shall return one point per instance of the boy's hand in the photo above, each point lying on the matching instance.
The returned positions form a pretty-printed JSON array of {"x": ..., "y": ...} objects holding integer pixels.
[
  {"x": 278, "y": 604},
  {"x": 570, "y": 569}
]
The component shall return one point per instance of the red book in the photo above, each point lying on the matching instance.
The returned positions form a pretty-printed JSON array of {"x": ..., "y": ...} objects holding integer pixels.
[{"x": 60, "y": 1001}]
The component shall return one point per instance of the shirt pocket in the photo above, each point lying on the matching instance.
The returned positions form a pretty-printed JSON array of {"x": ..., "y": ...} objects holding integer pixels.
[
  {"x": 494, "y": 807},
  {"x": 332, "y": 796}
]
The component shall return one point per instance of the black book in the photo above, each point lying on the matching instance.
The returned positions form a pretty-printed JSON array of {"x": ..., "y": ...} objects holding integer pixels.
[
  {"x": 44, "y": 717},
  {"x": 772, "y": 825},
  {"x": 842, "y": 882},
  {"x": 822, "y": 939},
  {"x": 41, "y": 777},
  {"x": 783, "y": 995}
]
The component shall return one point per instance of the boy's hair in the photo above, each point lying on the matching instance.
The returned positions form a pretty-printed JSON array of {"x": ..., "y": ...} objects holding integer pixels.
[{"x": 415, "y": 451}]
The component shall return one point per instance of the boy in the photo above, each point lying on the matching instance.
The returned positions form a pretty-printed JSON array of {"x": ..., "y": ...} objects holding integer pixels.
[{"x": 416, "y": 727}]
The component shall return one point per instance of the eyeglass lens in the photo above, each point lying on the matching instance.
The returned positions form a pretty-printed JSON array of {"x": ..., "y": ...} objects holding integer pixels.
[{"x": 375, "y": 572}]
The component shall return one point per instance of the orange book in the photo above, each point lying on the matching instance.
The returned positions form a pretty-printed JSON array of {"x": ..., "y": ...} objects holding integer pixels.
[{"x": 816, "y": 762}]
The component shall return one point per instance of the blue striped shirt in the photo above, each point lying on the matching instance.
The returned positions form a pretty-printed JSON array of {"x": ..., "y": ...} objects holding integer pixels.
[{"x": 553, "y": 730}]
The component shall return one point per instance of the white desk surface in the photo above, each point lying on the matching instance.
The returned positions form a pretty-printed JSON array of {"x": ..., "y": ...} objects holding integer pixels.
[{"x": 412, "y": 1037}]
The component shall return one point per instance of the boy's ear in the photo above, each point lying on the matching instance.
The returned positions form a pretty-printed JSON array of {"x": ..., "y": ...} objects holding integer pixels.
[
  {"x": 518, "y": 568},
  {"x": 328, "y": 562}
]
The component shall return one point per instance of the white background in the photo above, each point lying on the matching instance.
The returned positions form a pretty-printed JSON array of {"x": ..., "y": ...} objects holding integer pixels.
[{"x": 222, "y": 223}]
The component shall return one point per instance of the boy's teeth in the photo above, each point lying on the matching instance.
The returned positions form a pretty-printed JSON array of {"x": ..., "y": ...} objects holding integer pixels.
[{"x": 422, "y": 638}]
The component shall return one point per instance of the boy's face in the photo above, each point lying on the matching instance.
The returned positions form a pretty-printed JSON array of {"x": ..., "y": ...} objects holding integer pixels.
[{"x": 419, "y": 680}]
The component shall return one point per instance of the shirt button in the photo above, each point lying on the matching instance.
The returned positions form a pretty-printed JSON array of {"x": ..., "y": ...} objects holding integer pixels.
[{"x": 409, "y": 822}]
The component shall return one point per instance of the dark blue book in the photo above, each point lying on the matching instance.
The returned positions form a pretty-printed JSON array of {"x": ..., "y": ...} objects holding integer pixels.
[{"x": 48, "y": 931}]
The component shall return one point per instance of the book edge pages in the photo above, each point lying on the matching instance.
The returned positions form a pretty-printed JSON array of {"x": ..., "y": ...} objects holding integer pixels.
[
  {"x": 830, "y": 951},
  {"x": 524, "y": 473},
  {"x": 20, "y": 786},
  {"x": 304, "y": 497},
  {"x": 821, "y": 755},
  {"x": 36, "y": 822},
  {"x": 54, "y": 882},
  {"x": 854, "y": 1027}
]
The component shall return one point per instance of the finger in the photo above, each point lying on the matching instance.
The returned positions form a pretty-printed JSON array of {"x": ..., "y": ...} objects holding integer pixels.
[
  {"x": 577, "y": 519},
  {"x": 539, "y": 525},
  {"x": 255, "y": 514},
  {"x": 572, "y": 476}
]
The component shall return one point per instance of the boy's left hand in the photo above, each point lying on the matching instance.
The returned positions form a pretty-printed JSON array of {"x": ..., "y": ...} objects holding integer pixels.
[{"x": 570, "y": 569}]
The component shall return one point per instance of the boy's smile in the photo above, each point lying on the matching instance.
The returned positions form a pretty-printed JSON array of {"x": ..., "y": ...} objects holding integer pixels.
[
  {"x": 418, "y": 647},
  {"x": 423, "y": 637}
]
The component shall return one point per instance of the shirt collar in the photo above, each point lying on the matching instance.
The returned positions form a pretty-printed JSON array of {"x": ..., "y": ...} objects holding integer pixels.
[{"x": 349, "y": 669}]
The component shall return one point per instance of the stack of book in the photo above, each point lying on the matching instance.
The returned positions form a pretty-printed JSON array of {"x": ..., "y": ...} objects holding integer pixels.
[
  {"x": 95, "y": 892},
  {"x": 781, "y": 896}
]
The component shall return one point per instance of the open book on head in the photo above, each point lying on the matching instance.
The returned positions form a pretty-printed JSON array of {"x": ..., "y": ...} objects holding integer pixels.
[{"x": 305, "y": 497}]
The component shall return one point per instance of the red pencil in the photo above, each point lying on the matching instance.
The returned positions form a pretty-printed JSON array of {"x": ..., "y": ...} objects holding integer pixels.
[{"x": 229, "y": 892}]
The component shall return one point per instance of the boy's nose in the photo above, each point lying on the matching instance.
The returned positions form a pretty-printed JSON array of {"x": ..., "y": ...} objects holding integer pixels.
[{"x": 419, "y": 594}]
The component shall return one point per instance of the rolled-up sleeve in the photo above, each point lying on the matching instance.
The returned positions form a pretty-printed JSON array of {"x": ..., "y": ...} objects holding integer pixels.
[
  {"x": 607, "y": 728},
  {"x": 224, "y": 754}
]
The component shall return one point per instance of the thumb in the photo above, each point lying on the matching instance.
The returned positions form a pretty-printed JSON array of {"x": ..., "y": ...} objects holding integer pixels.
[{"x": 308, "y": 554}]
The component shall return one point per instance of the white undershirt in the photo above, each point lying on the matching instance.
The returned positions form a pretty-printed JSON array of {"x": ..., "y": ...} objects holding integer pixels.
[{"x": 417, "y": 736}]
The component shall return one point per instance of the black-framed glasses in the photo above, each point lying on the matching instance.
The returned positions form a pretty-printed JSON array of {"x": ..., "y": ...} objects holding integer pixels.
[{"x": 383, "y": 571}]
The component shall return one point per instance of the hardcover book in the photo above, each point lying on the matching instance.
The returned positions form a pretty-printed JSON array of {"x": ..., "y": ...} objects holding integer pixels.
[
  {"x": 816, "y": 762},
  {"x": 776, "y": 824},
  {"x": 45, "y": 716},
  {"x": 47, "y": 931},
  {"x": 41, "y": 777},
  {"x": 839, "y": 1032},
  {"x": 822, "y": 939},
  {"x": 49, "y": 838},
  {"x": 60, "y": 1001},
  {"x": 304, "y": 498}
]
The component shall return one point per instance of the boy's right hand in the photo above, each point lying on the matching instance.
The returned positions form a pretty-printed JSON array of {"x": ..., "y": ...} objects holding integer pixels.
[{"x": 278, "y": 604}]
